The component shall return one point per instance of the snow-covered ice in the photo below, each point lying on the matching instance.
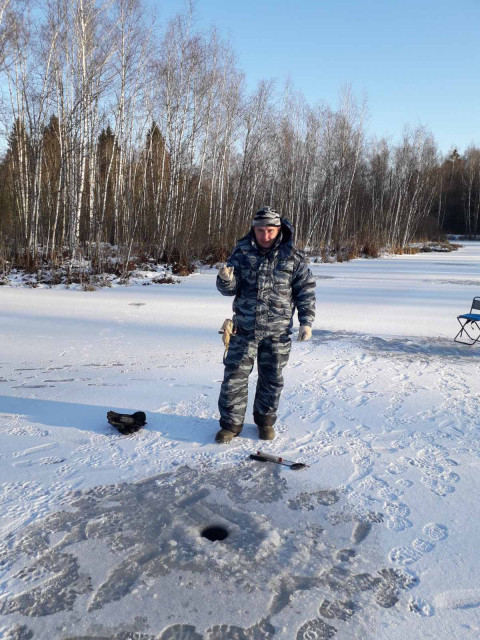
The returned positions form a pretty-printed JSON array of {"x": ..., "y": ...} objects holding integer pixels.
[{"x": 377, "y": 539}]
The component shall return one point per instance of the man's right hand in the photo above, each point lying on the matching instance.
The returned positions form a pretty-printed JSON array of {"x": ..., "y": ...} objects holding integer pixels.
[{"x": 226, "y": 273}]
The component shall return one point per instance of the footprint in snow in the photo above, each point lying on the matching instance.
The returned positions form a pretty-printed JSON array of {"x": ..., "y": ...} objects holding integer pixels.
[
  {"x": 398, "y": 524},
  {"x": 435, "y": 531},
  {"x": 361, "y": 531},
  {"x": 423, "y": 546},
  {"x": 420, "y": 607},
  {"x": 406, "y": 555},
  {"x": 397, "y": 509},
  {"x": 316, "y": 630}
]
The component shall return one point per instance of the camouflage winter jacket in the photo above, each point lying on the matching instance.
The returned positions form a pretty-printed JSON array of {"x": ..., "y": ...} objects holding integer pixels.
[{"x": 268, "y": 285}]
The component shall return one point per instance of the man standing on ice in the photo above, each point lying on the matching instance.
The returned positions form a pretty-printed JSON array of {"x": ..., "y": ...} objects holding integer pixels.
[{"x": 269, "y": 277}]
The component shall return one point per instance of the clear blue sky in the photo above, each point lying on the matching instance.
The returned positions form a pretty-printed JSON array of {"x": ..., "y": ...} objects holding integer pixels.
[{"x": 417, "y": 60}]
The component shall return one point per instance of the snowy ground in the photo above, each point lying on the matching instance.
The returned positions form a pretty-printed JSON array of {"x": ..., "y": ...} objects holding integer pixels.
[{"x": 377, "y": 539}]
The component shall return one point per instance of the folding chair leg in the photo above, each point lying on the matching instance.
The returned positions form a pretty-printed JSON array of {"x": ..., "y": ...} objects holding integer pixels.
[{"x": 472, "y": 339}]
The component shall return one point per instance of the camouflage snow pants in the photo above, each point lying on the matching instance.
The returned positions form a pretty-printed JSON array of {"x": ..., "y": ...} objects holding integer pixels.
[{"x": 272, "y": 356}]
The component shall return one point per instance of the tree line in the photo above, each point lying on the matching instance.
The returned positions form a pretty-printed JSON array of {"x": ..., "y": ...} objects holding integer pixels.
[{"x": 121, "y": 133}]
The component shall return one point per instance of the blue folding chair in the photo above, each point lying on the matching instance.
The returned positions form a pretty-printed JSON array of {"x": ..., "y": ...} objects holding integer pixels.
[{"x": 471, "y": 321}]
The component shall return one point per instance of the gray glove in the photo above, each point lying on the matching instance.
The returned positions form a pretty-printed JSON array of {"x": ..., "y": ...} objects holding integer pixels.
[
  {"x": 304, "y": 333},
  {"x": 226, "y": 273}
]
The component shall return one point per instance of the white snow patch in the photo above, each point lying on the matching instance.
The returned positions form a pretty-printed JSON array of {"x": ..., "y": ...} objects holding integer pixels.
[
  {"x": 461, "y": 599},
  {"x": 381, "y": 403}
]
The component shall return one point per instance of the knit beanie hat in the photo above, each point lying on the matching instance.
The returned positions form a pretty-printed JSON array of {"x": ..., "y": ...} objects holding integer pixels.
[{"x": 266, "y": 217}]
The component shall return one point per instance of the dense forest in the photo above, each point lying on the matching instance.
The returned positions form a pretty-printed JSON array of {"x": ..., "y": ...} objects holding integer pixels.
[{"x": 122, "y": 132}]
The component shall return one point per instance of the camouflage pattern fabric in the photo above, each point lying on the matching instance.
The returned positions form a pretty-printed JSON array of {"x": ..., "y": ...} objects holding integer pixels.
[
  {"x": 268, "y": 285},
  {"x": 272, "y": 357}
]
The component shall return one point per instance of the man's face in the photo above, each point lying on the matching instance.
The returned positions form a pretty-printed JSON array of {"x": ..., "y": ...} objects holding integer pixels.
[{"x": 265, "y": 236}]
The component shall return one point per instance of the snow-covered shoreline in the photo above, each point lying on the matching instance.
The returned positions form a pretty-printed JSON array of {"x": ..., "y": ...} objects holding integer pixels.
[{"x": 381, "y": 403}]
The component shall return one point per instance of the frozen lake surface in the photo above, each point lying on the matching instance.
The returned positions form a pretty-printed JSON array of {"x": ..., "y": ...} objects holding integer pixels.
[{"x": 378, "y": 539}]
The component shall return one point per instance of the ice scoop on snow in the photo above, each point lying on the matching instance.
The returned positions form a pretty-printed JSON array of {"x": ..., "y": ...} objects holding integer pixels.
[{"x": 267, "y": 457}]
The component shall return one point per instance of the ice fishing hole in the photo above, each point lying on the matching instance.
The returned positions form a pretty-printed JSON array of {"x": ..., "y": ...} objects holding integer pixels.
[{"x": 215, "y": 533}]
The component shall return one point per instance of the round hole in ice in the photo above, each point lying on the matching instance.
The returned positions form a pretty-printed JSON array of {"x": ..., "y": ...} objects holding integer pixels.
[{"x": 215, "y": 533}]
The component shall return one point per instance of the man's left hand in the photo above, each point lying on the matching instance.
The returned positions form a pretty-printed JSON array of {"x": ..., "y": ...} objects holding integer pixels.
[{"x": 304, "y": 333}]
